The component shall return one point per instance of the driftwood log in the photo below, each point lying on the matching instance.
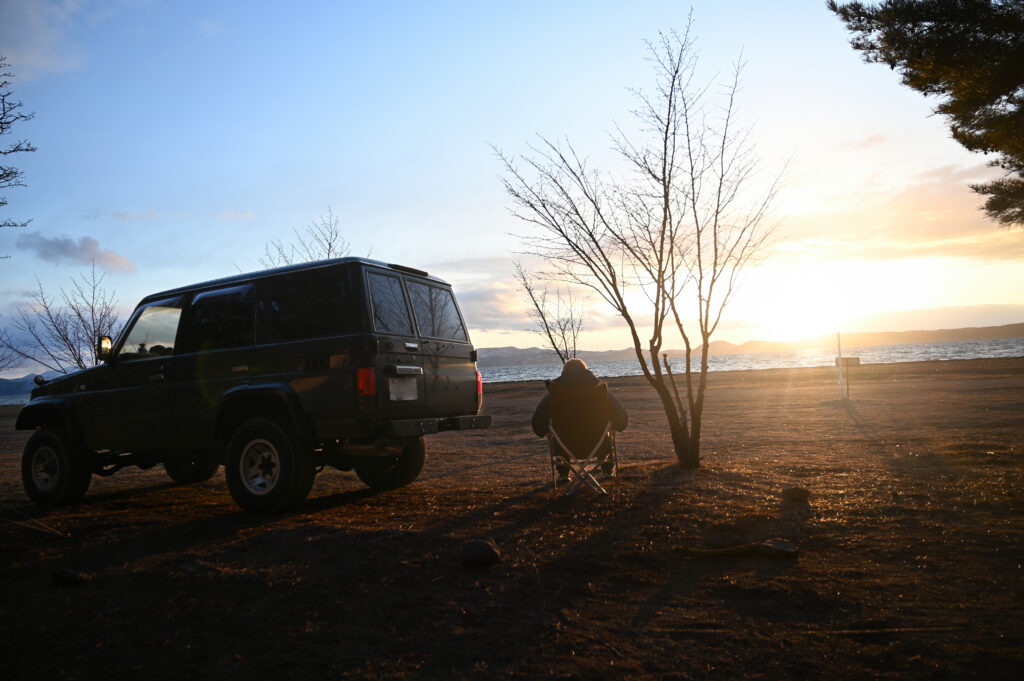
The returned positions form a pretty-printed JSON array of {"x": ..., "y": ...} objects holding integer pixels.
[{"x": 775, "y": 548}]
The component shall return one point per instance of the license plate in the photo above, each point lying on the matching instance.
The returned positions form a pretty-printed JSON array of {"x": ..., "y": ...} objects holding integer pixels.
[{"x": 403, "y": 389}]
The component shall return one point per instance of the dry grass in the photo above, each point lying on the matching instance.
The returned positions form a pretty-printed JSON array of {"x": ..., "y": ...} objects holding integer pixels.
[{"x": 910, "y": 563}]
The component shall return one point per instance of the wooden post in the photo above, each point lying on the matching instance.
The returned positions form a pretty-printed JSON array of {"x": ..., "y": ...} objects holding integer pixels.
[
  {"x": 844, "y": 364},
  {"x": 844, "y": 392}
]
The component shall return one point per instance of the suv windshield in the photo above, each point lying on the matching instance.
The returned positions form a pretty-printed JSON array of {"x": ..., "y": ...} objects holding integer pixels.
[{"x": 153, "y": 331}]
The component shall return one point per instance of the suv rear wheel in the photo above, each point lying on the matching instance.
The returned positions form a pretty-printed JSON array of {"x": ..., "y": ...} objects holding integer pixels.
[
  {"x": 52, "y": 472},
  {"x": 197, "y": 467},
  {"x": 392, "y": 472},
  {"x": 266, "y": 469}
]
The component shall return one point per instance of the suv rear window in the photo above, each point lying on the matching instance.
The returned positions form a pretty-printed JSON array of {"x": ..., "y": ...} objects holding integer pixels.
[
  {"x": 314, "y": 304},
  {"x": 436, "y": 312},
  {"x": 390, "y": 315},
  {"x": 221, "y": 319}
]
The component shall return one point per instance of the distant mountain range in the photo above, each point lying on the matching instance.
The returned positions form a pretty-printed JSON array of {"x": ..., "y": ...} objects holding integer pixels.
[
  {"x": 15, "y": 391},
  {"x": 514, "y": 357}
]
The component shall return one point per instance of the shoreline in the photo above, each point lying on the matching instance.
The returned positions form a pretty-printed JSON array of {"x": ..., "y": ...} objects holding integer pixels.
[
  {"x": 988, "y": 362},
  {"x": 863, "y": 371}
]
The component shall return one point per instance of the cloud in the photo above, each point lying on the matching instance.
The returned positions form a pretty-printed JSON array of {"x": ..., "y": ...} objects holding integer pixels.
[
  {"x": 491, "y": 300},
  {"x": 865, "y": 143},
  {"x": 210, "y": 28},
  {"x": 131, "y": 217},
  {"x": 997, "y": 245},
  {"x": 85, "y": 250},
  {"x": 34, "y": 36},
  {"x": 230, "y": 215},
  {"x": 493, "y": 305},
  {"x": 37, "y": 35},
  {"x": 935, "y": 215},
  {"x": 939, "y": 318}
]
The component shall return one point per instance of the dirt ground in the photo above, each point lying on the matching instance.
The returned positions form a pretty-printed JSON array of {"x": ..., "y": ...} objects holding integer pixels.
[{"x": 910, "y": 565}]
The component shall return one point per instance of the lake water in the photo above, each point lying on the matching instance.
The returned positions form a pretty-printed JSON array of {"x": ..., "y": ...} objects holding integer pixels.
[{"x": 879, "y": 354}]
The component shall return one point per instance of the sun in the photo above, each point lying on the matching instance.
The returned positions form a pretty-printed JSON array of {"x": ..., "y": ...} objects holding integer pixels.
[{"x": 796, "y": 303}]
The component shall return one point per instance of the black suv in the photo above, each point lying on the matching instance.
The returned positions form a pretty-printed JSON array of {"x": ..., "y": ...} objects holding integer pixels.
[{"x": 345, "y": 362}]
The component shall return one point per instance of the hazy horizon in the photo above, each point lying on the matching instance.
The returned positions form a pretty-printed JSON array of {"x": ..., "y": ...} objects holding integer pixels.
[{"x": 827, "y": 337}]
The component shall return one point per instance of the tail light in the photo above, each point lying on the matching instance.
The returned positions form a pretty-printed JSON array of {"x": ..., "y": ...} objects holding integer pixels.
[
  {"x": 366, "y": 382},
  {"x": 479, "y": 391}
]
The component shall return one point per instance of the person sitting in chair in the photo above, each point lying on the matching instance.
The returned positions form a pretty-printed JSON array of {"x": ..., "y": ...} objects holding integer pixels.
[{"x": 578, "y": 379}]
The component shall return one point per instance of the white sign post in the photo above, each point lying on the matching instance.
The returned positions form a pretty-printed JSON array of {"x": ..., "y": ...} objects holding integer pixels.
[
  {"x": 844, "y": 364},
  {"x": 844, "y": 387}
]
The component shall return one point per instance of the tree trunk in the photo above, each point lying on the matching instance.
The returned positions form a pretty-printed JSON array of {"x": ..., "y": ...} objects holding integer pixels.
[
  {"x": 697, "y": 409},
  {"x": 681, "y": 441},
  {"x": 692, "y": 452}
]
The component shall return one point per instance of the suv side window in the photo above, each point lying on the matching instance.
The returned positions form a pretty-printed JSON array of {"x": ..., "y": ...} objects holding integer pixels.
[
  {"x": 390, "y": 315},
  {"x": 221, "y": 319},
  {"x": 153, "y": 332},
  {"x": 315, "y": 304},
  {"x": 436, "y": 312}
]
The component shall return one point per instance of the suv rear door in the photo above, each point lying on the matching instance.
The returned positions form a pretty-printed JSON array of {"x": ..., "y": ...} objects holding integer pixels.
[
  {"x": 215, "y": 353},
  {"x": 448, "y": 359},
  {"x": 399, "y": 369}
]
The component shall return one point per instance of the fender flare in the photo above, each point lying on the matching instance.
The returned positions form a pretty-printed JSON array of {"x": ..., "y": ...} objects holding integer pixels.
[
  {"x": 266, "y": 399},
  {"x": 47, "y": 413}
]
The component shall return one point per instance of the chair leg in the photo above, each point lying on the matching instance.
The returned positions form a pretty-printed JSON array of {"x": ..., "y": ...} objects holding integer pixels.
[
  {"x": 585, "y": 474},
  {"x": 594, "y": 484},
  {"x": 614, "y": 453}
]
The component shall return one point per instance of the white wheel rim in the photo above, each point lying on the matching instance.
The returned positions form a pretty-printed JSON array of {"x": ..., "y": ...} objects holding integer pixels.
[
  {"x": 45, "y": 469},
  {"x": 260, "y": 467}
]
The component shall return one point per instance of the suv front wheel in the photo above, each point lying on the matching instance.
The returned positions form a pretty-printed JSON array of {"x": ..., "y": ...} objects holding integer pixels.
[
  {"x": 266, "y": 470},
  {"x": 392, "y": 472},
  {"x": 53, "y": 473}
]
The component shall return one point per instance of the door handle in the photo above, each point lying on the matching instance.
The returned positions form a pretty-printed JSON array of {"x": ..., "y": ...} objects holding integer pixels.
[
  {"x": 412, "y": 347},
  {"x": 156, "y": 377},
  {"x": 240, "y": 369}
]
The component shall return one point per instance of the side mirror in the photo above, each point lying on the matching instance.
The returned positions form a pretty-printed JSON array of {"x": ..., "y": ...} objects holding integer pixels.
[{"x": 104, "y": 346}]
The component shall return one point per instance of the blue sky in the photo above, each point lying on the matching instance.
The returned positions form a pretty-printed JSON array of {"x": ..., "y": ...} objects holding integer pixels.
[{"x": 175, "y": 139}]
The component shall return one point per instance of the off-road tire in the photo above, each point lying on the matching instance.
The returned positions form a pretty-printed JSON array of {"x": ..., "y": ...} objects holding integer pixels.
[
  {"x": 392, "y": 472},
  {"x": 266, "y": 468},
  {"x": 197, "y": 467},
  {"x": 53, "y": 472}
]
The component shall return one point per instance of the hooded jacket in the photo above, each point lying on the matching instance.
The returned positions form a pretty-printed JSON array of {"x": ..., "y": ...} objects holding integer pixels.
[{"x": 581, "y": 378}]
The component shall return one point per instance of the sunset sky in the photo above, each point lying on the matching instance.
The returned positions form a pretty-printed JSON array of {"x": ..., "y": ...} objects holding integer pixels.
[{"x": 175, "y": 139}]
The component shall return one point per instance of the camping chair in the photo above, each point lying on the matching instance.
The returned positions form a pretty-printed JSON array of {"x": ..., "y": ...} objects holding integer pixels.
[{"x": 580, "y": 434}]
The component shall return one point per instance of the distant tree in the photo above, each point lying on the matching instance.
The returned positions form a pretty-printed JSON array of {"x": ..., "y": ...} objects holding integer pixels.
[
  {"x": 7, "y": 358},
  {"x": 674, "y": 230},
  {"x": 970, "y": 54},
  {"x": 60, "y": 335},
  {"x": 320, "y": 240},
  {"x": 10, "y": 114},
  {"x": 558, "y": 321}
]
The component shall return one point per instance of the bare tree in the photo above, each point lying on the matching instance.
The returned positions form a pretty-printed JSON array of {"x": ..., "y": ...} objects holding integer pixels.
[
  {"x": 60, "y": 335},
  {"x": 677, "y": 228},
  {"x": 321, "y": 239},
  {"x": 10, "y": 115},
  {"x": 559, "y": 322},
  {"x": 7, "y": 358}
]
